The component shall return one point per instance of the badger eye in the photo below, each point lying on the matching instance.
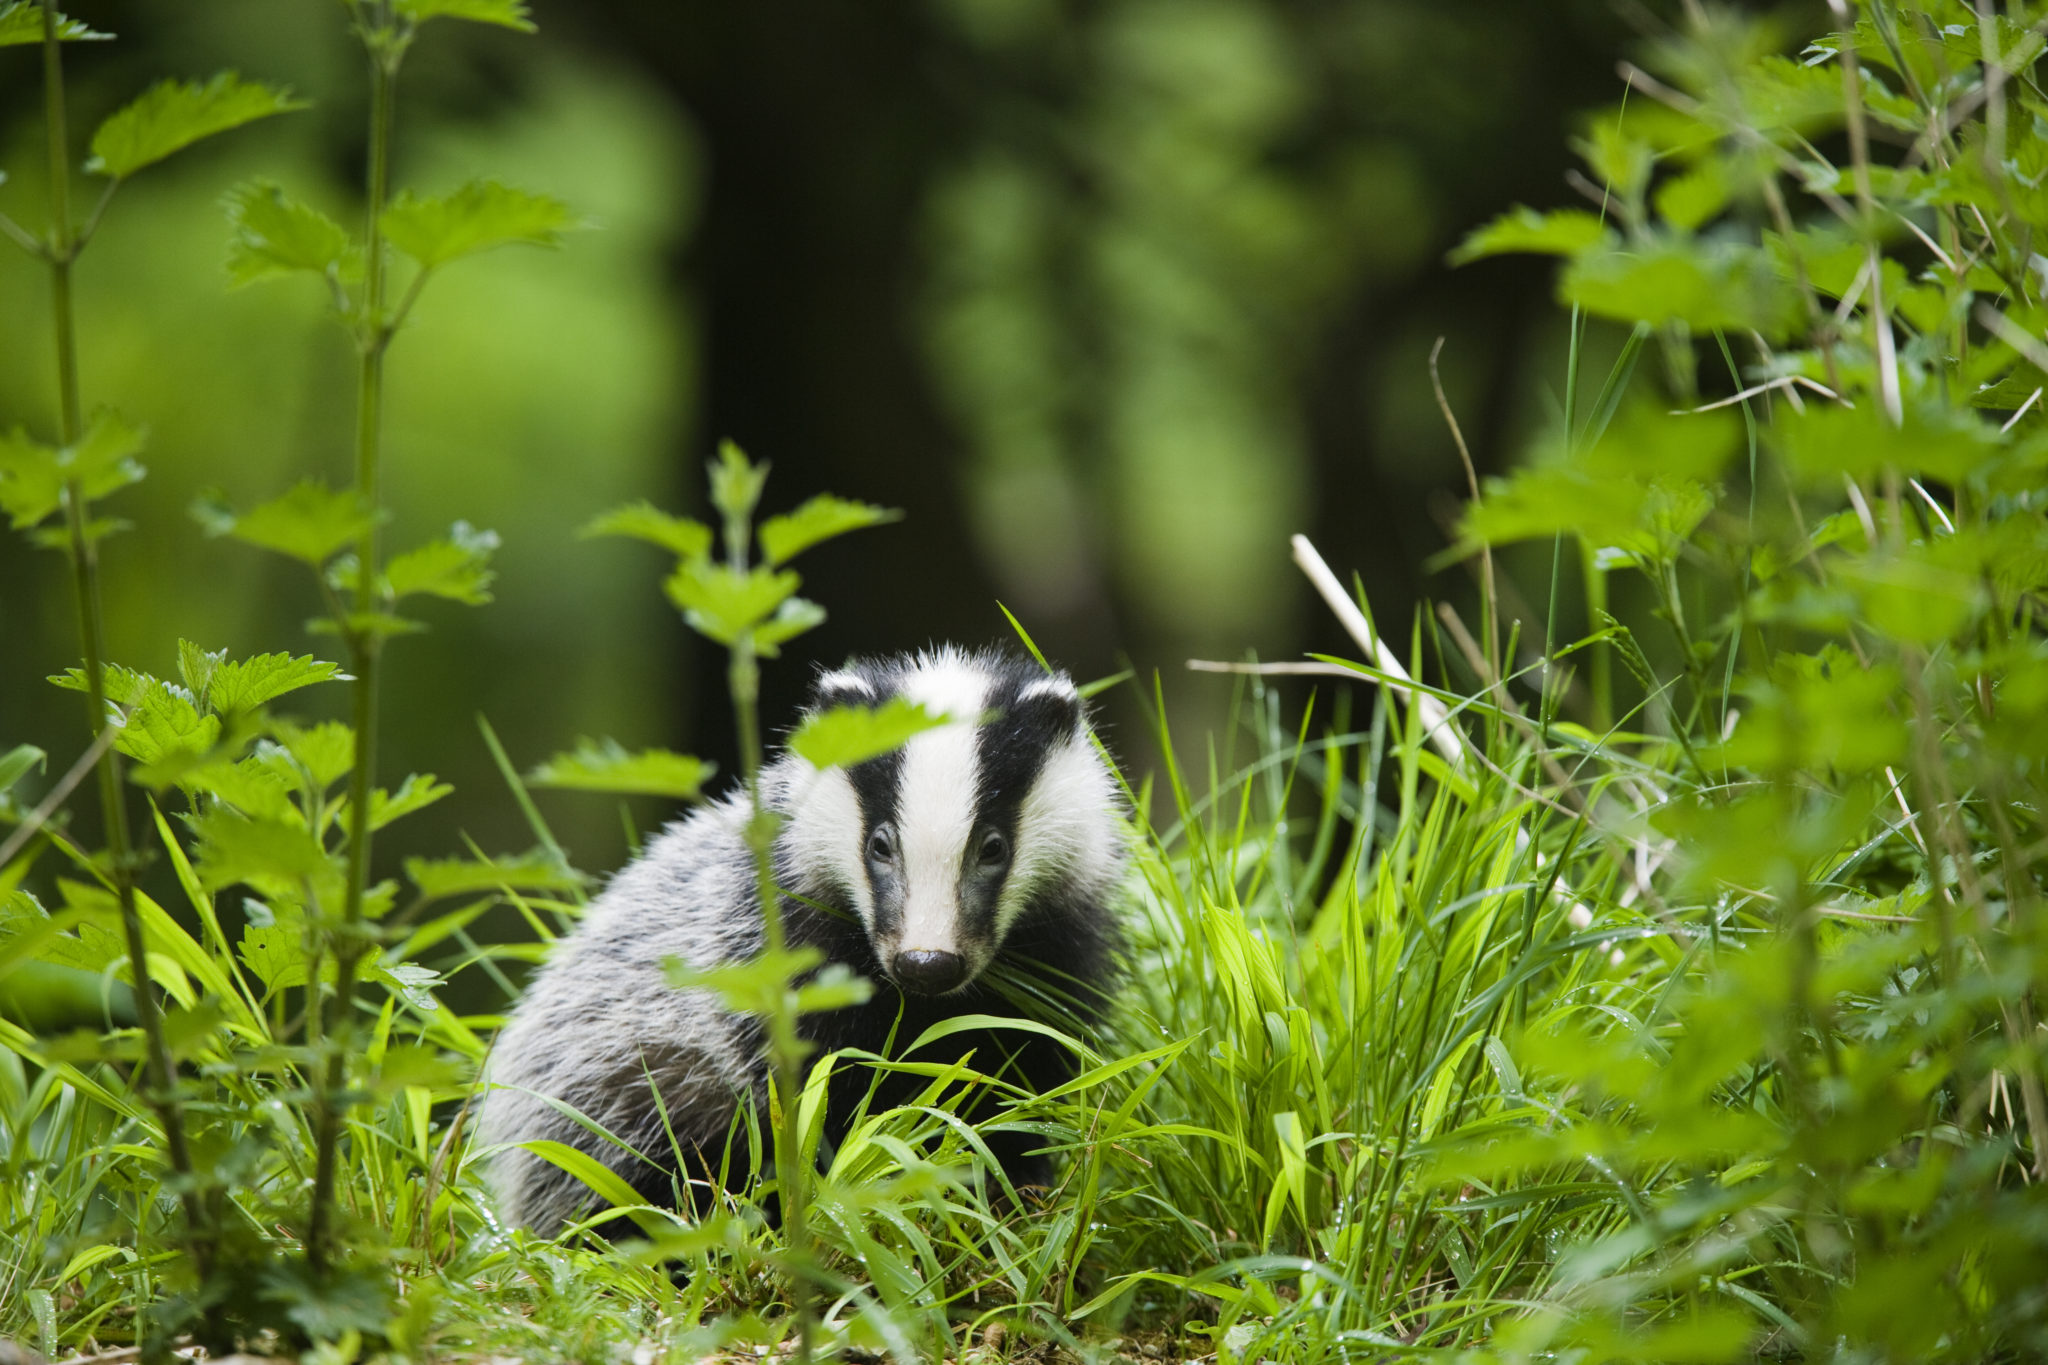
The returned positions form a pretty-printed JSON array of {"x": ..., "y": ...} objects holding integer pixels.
[
  {"x": 882, "y": 845},
  {"x": 995, "y": 849}
]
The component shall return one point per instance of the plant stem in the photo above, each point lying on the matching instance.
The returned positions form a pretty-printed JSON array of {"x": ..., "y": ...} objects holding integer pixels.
[
  {"x": 744, "y": 680},
  {"x": 364, "y": 640},
  {"x": 159, "y": 1067}
]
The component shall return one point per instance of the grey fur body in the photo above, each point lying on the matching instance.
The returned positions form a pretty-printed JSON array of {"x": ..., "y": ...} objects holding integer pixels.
[{"x": 908, "y": 878}]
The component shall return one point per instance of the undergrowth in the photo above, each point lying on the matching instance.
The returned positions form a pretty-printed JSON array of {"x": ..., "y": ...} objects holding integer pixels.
[{"x": 1686, "y": 1009}]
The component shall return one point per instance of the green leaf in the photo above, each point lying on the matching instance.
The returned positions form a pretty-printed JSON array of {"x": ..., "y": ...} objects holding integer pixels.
[
  {"x": 123, "y": 686},
  {"x": 274, "y": 234},
  {"x": 412, "y": 981},
  {"x": 795, "y": 616},
  {"x": 1687, "y": 201},
  {"x": 1827, "y": 441},
  {"x": 165, "y": 727},
  {"x": 845, "y": 735},
  {"x": 1642, "y": 488},
  {"x": 312, "y": 522},
  {"x": 1703, "y": 284},
  {"x": 457, "y": 568},
  {"x": 481, "y": 215},
  {"x": 605, "y": 766},
  {"x": 688, "y": 539},
  {"x": 325, "y": 751},
  {"x": 253, "y": 787},
  {"x": 417, "y": 792},
  {"x": 601, "y": 1178},
  {"x": 1565, "y": 232},
  {"x": 276, "y": 953},
  {"x": 33, "y": 476},
  {"x": 736, "y": 483},
  {"x": 720, "y": 602},
  {"x": 172, "y": 115},
  {"x": 823, "y": 517},
  {"x": 534, "y": 871},
  {"x": 18, "y": 763},
  {"x": 756, "y": 986},
  {"x": 21, "y": 23},
  {"x": 835, "y": 987},
  {"x": 507, "y": 13},
  {"x": 274, "y": 856},
  {"x": 246, "y": 684}
]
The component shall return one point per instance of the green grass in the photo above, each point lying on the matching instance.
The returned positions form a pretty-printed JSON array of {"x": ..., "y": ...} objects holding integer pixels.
[{"x": 1472, "y": 1030}]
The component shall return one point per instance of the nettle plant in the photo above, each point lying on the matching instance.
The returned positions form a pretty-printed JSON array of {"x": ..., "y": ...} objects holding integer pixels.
[
  {"x": 273, "y": 1093},
  {"x": 249, "y": 1071},
  {"x": 1828, "y": 1135}
]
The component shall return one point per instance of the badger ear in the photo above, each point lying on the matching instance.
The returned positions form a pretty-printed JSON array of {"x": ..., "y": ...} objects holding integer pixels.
[
  {"x": 1049, "y": 708},
  {"x": 842, "y": 687}
]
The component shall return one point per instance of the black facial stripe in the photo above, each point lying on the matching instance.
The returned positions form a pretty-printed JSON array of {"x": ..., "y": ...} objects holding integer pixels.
[{"x": 1010, "y": 752}]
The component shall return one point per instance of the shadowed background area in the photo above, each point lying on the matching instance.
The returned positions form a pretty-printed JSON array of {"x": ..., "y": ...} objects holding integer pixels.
[{"x": 1110, "y": 297}]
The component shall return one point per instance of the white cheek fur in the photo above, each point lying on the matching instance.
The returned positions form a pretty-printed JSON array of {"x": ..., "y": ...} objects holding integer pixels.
[
  {"x": 1066, "y": 827},
  {"x": 824, "y": 840}
]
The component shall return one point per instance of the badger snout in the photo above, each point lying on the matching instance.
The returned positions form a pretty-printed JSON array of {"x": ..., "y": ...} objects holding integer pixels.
[{"x": 928, "y": 971}]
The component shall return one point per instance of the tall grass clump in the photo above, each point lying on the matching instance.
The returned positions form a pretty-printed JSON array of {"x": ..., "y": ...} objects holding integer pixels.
[{"x": 1656, "y": 977}]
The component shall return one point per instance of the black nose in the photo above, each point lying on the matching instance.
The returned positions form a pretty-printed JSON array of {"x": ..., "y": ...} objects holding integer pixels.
[{"x": 929, "y": 972}]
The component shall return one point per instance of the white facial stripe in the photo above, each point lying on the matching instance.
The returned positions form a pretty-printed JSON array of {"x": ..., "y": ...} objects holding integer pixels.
[
  {"x": 935, "y": 809},
  {"x": 824, "y": 838},
  {"x": 1065, "y": 827}
]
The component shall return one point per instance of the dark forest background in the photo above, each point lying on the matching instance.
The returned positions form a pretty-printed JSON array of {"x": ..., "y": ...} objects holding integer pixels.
[{"x": 1111, "y": 297}]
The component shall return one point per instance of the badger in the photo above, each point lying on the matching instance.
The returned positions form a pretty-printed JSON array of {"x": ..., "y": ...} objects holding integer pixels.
[{"x": 972, "y": 871}]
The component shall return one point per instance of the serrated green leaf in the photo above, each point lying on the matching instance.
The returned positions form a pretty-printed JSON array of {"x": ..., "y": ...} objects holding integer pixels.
[
  {"x": 534, "y": 871},
  {"x": 820, "y": 519},
  {"x": 197, "y": 667},
  {"x": 172, "y": 115},
  {"x": 755, "y": 986},
  {"x": 845, "y": 735},
  {"x": 457, "y": 568},
  {"x": 21, "y": 23},
  {"x": 275, "y": 953},
  {"x": 721, "y": 602},
  {"x": 274, "y": 234},
  {"x": 1565, "y": 232},
  {"x": 382, "y": 624},
  {"x": 1707, "y": 285},
  {"x": 417, "y": 792},
  {"x": 1827, "y": 441},
  {"x": 33, "y": 476},
  {"x": 1687, "y": 201},
  {"x": 605, "y": 766},
  {"x": 254, "y": 788},
  {"x": 312, "y": 522},
  {"x": 325, "y": 752},
  {"x": 481, "y": 215},
  {"x": 736, "y": 483},
  {"x": 795, "y": 616},
  {"x": 688, "y": 539},
  {"x": 166, "y": 727},
  {"x": 412, "y": 981},
  {"x": 507, "y": 13},
  {"x": 835, "y": 987},
  {"x": 274, "y": 856},
  {"x": 123, "y": 686},
  {"x": 245, "y": 684}
]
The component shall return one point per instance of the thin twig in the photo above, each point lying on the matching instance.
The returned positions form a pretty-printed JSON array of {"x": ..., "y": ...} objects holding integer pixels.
[{"x": 47, "y": 807}]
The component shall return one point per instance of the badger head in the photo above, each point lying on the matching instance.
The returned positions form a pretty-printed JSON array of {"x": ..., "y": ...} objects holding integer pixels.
[{"x": 944, "y": 845}]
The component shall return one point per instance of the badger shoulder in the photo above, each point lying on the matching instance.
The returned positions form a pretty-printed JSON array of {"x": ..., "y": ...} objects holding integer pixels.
[{"x": 600, "y": 1026}]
